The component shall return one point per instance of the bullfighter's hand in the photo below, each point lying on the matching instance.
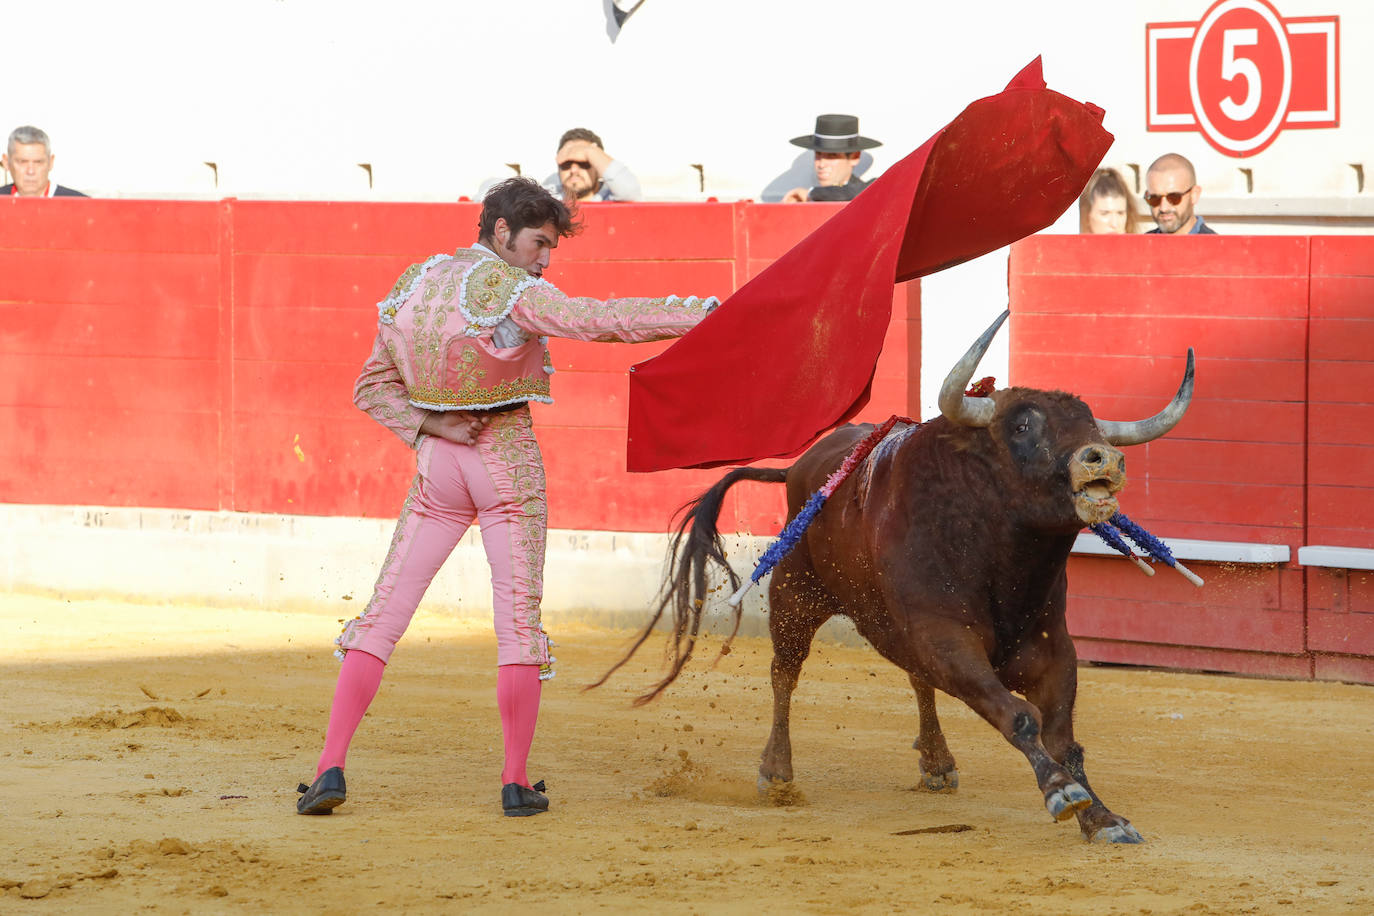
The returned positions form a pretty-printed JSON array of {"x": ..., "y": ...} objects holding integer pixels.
[
  {"x": 795, "y": 196},
  {"x": 455, "y": 425}
]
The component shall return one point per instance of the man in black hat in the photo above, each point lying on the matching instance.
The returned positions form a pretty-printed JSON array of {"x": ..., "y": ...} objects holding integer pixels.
[{"x": 837, "y": 143}]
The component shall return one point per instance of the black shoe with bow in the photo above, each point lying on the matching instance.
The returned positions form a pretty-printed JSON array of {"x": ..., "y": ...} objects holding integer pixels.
[
  {"x": 326, "y": 794},
  {"x": 522, "y": 801}
]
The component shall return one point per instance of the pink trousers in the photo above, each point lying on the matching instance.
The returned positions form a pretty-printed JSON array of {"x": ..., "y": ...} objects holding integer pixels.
[{"x": 499, "y": 483}]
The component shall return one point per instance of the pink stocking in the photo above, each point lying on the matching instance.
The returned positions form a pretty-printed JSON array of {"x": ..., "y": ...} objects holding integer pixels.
[
  {"x": 359, "y": 678},
  {"x": 517, "y": 696}
]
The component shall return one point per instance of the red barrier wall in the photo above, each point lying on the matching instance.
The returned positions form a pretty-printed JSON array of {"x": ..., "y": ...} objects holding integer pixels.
[
  {"x": 202, "y": 355},
  {"x": 1270, "y": 451},
  {"x": 1340, "y": 455},
  {"x": 110, "y": 341}
]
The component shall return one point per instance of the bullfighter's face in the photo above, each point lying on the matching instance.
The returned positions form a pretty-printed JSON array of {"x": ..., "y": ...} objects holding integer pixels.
[{"x": 529, "y": 249}]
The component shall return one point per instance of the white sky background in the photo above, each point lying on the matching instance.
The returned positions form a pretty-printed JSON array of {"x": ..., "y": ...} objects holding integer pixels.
[{"x": 287, "y": 96}]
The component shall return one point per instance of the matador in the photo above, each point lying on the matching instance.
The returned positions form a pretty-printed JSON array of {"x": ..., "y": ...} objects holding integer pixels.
[{"x": 460, "y": 353}]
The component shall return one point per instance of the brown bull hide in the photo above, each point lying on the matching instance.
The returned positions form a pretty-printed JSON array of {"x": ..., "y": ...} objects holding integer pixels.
[{"x": 947, "y": 548}]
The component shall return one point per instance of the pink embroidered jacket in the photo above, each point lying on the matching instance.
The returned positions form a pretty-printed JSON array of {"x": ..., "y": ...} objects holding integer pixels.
[{"x": 468, "y": 332}]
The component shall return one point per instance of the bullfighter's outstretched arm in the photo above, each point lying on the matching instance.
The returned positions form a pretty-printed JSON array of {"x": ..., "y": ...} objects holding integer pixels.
[{"x": 544, "y": 309}]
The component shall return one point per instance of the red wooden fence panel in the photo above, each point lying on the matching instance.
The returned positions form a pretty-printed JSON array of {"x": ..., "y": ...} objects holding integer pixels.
[
  {"x": 1111, "y": 319},
  {"x": 306, "y": 278},
  {"x": 109, "y": 349},
  {"x": 1340, "y": 428},
  {"x": 1340, "y": 453}
]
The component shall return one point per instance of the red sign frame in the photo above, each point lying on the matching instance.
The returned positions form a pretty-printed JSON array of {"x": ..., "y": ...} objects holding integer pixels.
[{"x": 1218, "y": 75}]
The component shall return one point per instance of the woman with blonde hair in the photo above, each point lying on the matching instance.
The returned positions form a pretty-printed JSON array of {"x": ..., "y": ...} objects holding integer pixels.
[{"x": 1107, "y": 205}]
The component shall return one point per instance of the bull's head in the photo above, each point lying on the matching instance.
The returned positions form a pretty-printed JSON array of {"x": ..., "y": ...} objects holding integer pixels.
[{"x": 1096, "y": 469}]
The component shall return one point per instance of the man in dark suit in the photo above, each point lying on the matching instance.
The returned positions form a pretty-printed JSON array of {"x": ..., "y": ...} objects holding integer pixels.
[
  {"x": 837, "y": 144},
  {"x": 28, "y": 159}
]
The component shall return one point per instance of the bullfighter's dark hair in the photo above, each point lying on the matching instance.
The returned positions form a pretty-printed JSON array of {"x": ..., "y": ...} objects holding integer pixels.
[{"x": 523, "y": 203}]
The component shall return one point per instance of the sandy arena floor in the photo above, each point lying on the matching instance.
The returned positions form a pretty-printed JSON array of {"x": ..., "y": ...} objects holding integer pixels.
[{"x": 149, "y": 758}]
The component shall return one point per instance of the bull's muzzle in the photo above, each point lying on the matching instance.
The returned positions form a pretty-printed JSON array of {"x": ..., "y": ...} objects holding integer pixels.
[{"x": 1097, "y": 472}]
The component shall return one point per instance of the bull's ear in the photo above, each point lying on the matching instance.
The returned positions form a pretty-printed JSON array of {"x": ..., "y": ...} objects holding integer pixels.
[
  {"x": 1137, "y": 431},
  {"x": 958, "y": 407}
]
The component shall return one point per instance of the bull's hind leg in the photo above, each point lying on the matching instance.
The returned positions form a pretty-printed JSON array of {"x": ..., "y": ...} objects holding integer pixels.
[
  {"x": 796, "y": 612},
  {"x": 938, "y": 773}
]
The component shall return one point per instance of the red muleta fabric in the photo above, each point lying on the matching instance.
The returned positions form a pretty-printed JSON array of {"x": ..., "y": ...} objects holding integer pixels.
[{"x": 792, "y": 353}]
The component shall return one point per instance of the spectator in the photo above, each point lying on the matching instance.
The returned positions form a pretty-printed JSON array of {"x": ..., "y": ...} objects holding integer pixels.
[
  {"x": 28, "y": 159},
  {"x": 1171, "y": 191},
  {"x": 1107, "y": 205},
  {"x": 587, "y": 173},
  {"x": 837, "y": 144}
]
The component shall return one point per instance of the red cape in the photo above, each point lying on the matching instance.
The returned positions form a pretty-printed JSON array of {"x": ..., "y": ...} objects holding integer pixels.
[{"x": 792, "y": 353}]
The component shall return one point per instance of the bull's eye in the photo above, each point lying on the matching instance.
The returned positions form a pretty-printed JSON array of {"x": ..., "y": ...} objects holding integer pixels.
[{"x": 1022, "y": 428}]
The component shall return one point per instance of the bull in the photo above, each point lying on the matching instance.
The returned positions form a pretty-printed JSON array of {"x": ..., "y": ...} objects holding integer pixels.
[{"x": 947, "y": 548}]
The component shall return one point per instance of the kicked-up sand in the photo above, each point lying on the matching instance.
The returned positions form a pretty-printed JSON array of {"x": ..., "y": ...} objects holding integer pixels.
[{"x": 149, "y": 757}]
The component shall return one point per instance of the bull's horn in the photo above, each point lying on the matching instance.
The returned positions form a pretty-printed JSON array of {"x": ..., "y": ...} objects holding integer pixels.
[
  {"x": 954, "y": 404},
  {"x": 1138, "y": 431}
]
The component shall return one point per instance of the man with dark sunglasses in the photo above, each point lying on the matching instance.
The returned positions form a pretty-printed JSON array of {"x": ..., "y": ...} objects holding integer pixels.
[
  {"x": 1171, "y": 191},
  {"x": 587, "y": 173}
]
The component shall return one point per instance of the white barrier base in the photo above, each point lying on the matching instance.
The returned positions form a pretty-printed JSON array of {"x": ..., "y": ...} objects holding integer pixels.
[{"x": 295, "y": 562}]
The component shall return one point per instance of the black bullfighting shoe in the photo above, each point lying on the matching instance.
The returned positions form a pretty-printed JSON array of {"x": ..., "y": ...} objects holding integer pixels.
[
  {"x": 520, "y": 801},
  {"x": 326, "y": 794}
]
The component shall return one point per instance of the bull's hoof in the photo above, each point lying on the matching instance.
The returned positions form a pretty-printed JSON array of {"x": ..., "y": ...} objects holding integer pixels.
[
  {"x": 1063, "y": 803},
  {"x": 940, "y": 782},
  {"x": 780, "y": 793},
  {"x": 1117, "y": 833}
]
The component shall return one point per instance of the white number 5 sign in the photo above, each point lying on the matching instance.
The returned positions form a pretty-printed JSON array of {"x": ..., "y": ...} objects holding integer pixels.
[{"x": 1242, "y": 74}]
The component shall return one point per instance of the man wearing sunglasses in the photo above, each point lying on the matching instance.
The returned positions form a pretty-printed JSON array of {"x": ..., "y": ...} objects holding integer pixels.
[
  {"x": 1171, "y": 191},
  {"x": 587, "y": 173}
]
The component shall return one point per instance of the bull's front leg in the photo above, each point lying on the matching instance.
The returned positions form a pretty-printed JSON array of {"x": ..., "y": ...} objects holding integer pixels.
[
  {"x": 958, "y": 664},
  {"x": 1049, "y": 677},
  {"x": 938, "y": 772}
]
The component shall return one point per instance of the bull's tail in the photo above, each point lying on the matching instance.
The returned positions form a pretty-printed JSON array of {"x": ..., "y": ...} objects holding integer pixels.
[{"x": 694, "y": 545}]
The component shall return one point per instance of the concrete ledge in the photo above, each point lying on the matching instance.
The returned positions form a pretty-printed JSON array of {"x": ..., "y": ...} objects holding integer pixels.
[
  {"x": 293, "y": 562},
  {"x": 1356, "y": 207},
  {"x": 1204, "y": 551},
  {"x": 1336, "y": 557}
]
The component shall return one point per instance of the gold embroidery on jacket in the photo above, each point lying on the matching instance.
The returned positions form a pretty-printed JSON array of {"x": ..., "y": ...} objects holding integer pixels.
[
  {"x": 374, "y": 393},
  {"x": 431, "y": 315},
  {"x": 509, "y": 391},
  {"x": 407, "y": 277},
  {"x": 490, "y": 287}
]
